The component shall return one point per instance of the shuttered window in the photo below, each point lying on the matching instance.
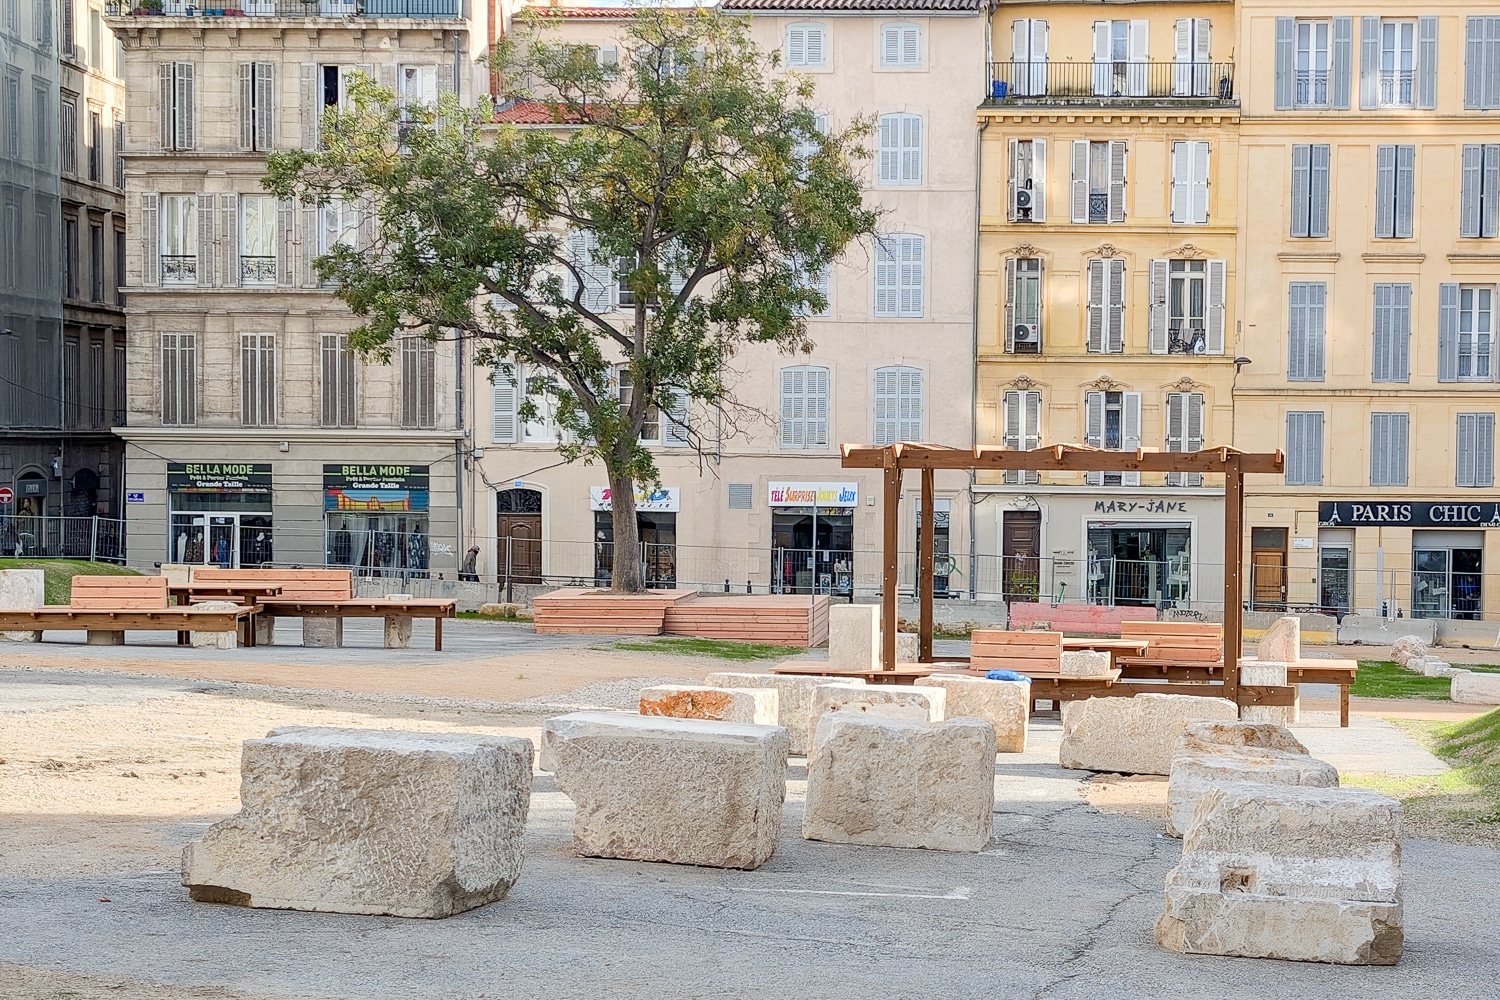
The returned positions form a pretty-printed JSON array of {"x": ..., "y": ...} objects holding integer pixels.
[
  {"x": 1023, "y": 305},
  {"x": 900, "y": 149},
  {"x": 1184, "y": 432},
  {"x": 596, "y": 274},
  {"x": 257, "y": 100},
  {"x": 1482, "y": 62},
  {"x": 179, "y": 239},
  {"x": 337, "y": 381},
  {"x": 1028, "y": 180},
  {"x": 508, "y": 386},
  {"x": 1022, "y": 431},
  {"x": 1395, "y": 186},
  {"x": 1028, "y": 53},
  {"x": 1313, "y": 62},
  {"x": 177, "y": 114},
  {"x": 1476, "y": 450},
  {"x": 1310, "y": 190},
  {"x": 1106, "y": 306},
  {"x": 1307, "y": 317},
  {"x": 1388, "y": 445},
  {"x": 258, "y": 379},
  {"x": 1112, "y": 420},
  {"x": 806, "y": 45},
  {"x": 1193, "y": 75},
  {"x": 1391, "y": 354},
  {"x": 1097, "y": 191},
  {"x": 418, "y": 382},
  {"x": 900, "y": 275},
  {"x": 1190, "y": 183},
  {"x": 1466, "y": 333},
  {"x": 900, "y": 45},
  {"x": 898, "y": 404},
  {"x": 1304, "y": 449},
  {"x": 1479, "y": 202},
  {"x": 179, "y": 379},
  {"x": 804, "y": 407},
  {"x": 1187, "y": 306}
]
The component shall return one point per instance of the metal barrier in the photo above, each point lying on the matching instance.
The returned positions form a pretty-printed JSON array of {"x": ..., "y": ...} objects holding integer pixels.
[
  {"x": 99, "y": 539},
  {"x": 1087, "y": 82}
]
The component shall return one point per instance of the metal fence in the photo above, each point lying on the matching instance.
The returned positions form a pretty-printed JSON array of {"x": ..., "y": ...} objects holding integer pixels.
[
  {"x": 101, "y": 539},
  {"x": 1086, "y": 82}
]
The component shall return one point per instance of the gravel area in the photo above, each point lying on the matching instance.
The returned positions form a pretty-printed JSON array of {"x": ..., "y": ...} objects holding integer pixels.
[{"x": 620, "y": 694}]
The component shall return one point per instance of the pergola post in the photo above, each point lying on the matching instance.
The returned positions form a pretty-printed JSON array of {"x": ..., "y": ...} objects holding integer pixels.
[
  {"x": 891, "y": 555},
  {"x": 924, "y": 568},
  {"x": 1234, "y": 554}
]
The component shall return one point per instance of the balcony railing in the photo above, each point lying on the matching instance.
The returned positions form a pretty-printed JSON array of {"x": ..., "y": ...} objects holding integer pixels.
[
  {"x": 1092, "y": 82},
  {"x": 179, "y": 268},
  {"x": 289, "y": 8},
  {"x": 258, "y": 270}
]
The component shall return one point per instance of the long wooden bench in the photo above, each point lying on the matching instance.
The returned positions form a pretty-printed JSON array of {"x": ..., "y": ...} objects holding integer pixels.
[
  {"x": 328, "y": 594},
  {"x": 1023, "y": 652},
  {"x": 107, "y": 607},
  {"x": 1187, "y": 646}
]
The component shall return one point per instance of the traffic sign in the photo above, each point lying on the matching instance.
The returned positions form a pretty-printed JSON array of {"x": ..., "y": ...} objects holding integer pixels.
[
  {"x": 6, "y": 496},
  {"x": 135, "y": 498}
]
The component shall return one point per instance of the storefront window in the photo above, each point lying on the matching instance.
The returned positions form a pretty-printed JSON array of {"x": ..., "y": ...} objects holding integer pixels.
[
  {"x": 1334, "y": 580},
  {"x": 376, "y": 518},
  {"x": 942, "y": 560},
  {"x": 1140, "y": 565},
  {"x": 812, "y": 551},
  {"x": 1446, "y": 583},
  {"x": 658, "y": 530},
  {"x": 220, "y": 514}
]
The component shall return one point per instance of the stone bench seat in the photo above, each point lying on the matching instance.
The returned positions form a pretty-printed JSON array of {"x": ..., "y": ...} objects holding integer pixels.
[
  {"x": 794, "y": 698},
  {"x": 1133, "y": 735}
]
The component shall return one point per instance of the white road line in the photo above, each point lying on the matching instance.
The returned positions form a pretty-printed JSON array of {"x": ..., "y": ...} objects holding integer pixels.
[{"x": 958, "y": 892}]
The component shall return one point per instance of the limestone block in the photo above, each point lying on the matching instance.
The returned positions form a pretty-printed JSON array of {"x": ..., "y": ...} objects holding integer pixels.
[
  {"x": 177, "y": 574},
  {"x": 1083, "y": 663},
  {"x": 369, "y": 821},
  {"x": 101, "y": 637},
  {"x": 794, "y": 697},
  {"x": 397, "y": 632},
  {"x": 1436, "y": 666},
  {"x": 1282, "y": 642},
  {"x": 1214, "y": 734},
  {"x": 1006, "y": 705},
  {"x": 323, "y": 633},
  {"x": 1307, "y": 874},
  {"x": 751, "y": 706},
  {"x": 22, "y": 589},
  {"x": 219, "y": 639},
  {"x": 1133, "y": 735},
  {"x": 1258, "y": 672},
  {"x": 889, "y": 782},
  {"x": 20, "y": 636},
  {"x": 853, "y": 637},
  {"x": 1196, "y": 772},
  {"x": 505, "y": 609},
  {"x": 908, "y": 647},
  {"x": 1472, "y": 688},
  {"x": 1407, "y": 649},
  {"x": 688, "y": 791},
  {"x": 917, "y": 702},
  {"x": 265, "y": 629}
]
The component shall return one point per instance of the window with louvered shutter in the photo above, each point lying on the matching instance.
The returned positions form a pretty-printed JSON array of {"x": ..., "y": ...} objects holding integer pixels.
[
  {"x": 1310, "y": 190},
  {"x": 258, "y": 379},
  {"x": 900, "y": 149},
  {"x": 1106, "y": 306},
  {"x": 898, "y": 404},
  {"x": 1479, "y": 202},
  {"x": 504, "y": 396},
  {"x": 418, "y": 382},
  {"x": 1482, "y": 63},
  {"x": 1304, "y": 449},
  {"x": 805, "y": 45},
  {"x": 900, "y": 45},
  {"x": 1395, "y": 187},
  {"x": 177, "y": 106},
  {"x": 1306, "y": 320},
  {"x": 1190, "y": 183},
  {"x": 598, "y": 275},
  {"x": 900, "y": 275},
  {"x": 1022, "y": 430},
  {"x": 676, "y": 429},
  {"x": 1476, "y": 450},
  {"x": 1388, "y": 445},
  {"x": 1184, "y": 432},
  {"x": 1391, "y": 352},
  {"x": 337, "y": 380},
  {"x": 179, "y": 379},
  {"x": 804, "y": 407}
]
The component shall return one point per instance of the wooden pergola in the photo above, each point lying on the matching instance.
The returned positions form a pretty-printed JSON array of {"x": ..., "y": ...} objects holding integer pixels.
[{"x": 896, "y": 459}]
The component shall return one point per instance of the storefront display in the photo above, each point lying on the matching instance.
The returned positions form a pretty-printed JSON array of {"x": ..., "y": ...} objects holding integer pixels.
[
  {"x": 220, "y": 514},
  {"x": 376, "y": 519},
  {"x": 1140, "y": 565},
  {"x": 812, "y": 537},
  {"x": 656, "y": 520}
]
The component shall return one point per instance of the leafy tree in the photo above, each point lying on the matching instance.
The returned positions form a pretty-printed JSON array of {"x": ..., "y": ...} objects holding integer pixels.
[{"x": 691, "y": 171}]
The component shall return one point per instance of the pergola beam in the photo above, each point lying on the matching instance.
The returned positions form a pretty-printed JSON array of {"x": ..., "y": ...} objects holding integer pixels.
[{"x": 1059, "y": 458}]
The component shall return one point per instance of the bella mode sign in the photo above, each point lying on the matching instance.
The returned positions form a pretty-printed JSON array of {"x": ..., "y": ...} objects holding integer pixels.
[
  {"x": 814, "y": 494},
  {"x": 219, "y": 477},
  {"x": 375, "y": 477},
  {"x": 1413, "y": 514}
]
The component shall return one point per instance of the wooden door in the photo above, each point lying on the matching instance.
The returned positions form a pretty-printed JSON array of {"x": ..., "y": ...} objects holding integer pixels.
[
  {"x": 1268, "y": 579},
  {"x": 524, "y": 532},
  {"x": 1021, "y": 549}
]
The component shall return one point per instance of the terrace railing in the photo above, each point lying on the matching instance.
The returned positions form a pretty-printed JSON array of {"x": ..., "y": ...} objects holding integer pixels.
[
  {"x": 290, "y": 8},
  {"x": 1124, "y": 81}
]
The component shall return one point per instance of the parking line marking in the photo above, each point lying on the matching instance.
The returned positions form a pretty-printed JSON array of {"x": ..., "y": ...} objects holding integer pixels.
[{"x": 957, "y": 892}]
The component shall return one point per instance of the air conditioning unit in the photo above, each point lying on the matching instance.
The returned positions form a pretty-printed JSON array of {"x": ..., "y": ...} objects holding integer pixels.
[
  {"x": 1027, "y": 333},
  {"x": 1025, "y": 200}
]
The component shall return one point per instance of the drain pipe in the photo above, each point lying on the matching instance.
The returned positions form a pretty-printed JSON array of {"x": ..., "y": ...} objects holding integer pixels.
[{"x": 974, "y": 361}]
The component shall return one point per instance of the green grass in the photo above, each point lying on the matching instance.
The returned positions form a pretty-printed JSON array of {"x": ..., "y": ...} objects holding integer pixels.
[
  {"x": 476, "y": 616},
  {"x": 719, "y": 648},
  {"x": 59, "y": 573},
  {"x": 1384, "y": 679}
]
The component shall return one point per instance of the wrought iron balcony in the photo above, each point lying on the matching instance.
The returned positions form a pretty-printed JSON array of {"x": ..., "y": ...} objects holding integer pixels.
[
  {"x": 179, "y": 268},
  {"x": 258, "y": 270},
  {"x": 286, "y": 8},
  {"x": 1187, "y": 338},
  {"x": 1112, "y": 82}
]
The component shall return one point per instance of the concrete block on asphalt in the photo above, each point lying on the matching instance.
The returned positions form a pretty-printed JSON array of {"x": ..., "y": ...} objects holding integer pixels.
[
  {"x": 1133, "y": 735},
  {"x": 398, "y": 632},
  {"x": 369, "y": 821},
  {"x": 265, "y": 629},
  {"x": 794, "y": 698},
  {"x": 1375, "y": 631},
  {"x": 1006, "y": 705},
  {"x": 918, "y": 703},
  {"x": 687, "y": 791},
  {"x": 1196, "y": 772},
  {"x": 323, "y": 633},
  {"x": 751, "y": 706},
  {"x": 853, "y": 636},
  {"x": 1473, "y": 688}
]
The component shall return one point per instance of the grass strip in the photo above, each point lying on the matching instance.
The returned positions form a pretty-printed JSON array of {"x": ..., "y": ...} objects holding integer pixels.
[
  {"x": 722, "y": 649},
  {"x": 58, "y": 573},
  {"x": 1384, "y": 679}
]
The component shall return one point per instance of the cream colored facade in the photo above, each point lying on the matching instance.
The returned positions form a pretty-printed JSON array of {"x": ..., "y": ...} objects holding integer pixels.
[
  {"x": 1108, "y": 280},
  {"x": 1368, "y": 298},
  {"x": 245, "y": 405},
  {"x": 736, "y": 513}
]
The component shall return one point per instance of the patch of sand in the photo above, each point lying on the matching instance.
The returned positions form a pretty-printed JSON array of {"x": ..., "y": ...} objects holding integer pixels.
[{"x": 1143, "y": 796}]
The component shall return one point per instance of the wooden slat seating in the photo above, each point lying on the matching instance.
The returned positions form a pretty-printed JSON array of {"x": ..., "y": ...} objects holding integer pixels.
[
  {"x": 998, "y": 649},
  {"x": 589, "y": 611},
  {"x": 1176, "y": 650},
  {"x": 295, "y": 584},
  {"x": 117, "y": 604},
  {"x": 787, "y": 620},
  {"x": 1340, "y": 672}
]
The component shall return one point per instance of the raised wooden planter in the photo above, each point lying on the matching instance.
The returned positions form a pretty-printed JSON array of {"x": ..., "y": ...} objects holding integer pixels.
[{"x": 585, "y": 611}]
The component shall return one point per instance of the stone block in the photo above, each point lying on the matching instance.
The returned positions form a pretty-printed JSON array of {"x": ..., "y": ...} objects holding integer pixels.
[
  {"x": 217, "y": 639},
  {"x": 1196, "y": 772},
  {"x": 688, "y": 791},
  {"x": 22, "y": 590},
  {"x": 1083, "y": 663},
  {"x": 1282, "y": 642},
  {"x": 177, "y": 574},
  {"x": 323, "y": 633},
  {"x": 1214, "y": 734},
  {"x": 369, "y": 821},
  {"x": 908, "y": 647},
  {"x": 917, "y": 702},
  {"x": 794, "y": 698},
  {"x": 853, "y": 637},
  {"x": 1133, "y": 735},
  {"x": 1006, "y": 705},
  {"x": 1436, "y": 666},
  {"x": 1306, "y": 874},
  {"x": 1257, "y": 672},
  {"x": 104, "y": 637},
  {"x": 1407, "y": 649},
  {"x": 751, "y": 706},
  {"x": 1473, "y": 688},
  {"x": 505, "y": 609},
  {"x": 889, "y": 782},
  {"x": 397, "y": 632},
  {"x": 265, "y": 629}
]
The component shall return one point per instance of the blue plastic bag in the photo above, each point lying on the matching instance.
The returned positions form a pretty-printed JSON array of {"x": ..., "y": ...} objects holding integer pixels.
[{"x": 1006, "y": 675}]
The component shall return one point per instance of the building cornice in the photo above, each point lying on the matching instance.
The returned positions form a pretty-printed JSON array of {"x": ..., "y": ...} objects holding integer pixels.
[{"x": 272, "y": 436}]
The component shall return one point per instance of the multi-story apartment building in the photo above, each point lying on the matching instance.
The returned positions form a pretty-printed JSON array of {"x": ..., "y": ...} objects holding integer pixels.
[
  {"x": 767, "y": 502},
  {"x": 254, "y": 434},
  {"x": 1370, "y": 254},
  {"x": 1108, "y": 274}
]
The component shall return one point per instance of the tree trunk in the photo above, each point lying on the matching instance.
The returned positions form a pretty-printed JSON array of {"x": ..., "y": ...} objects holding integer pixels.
[{"x": 626, "y": 577}]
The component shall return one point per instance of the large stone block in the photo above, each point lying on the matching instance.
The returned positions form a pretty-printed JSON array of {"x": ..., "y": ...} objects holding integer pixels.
[
  {"x": 369, "y": 821},
  {"x": 1197, "y": 772},
  {"x": 794, "y": 698},
  {"x": 1133, "y": 735},
  {"x": 1006, "y": 705},
  {"x": 688, "y": 791},
  {"x": 398, "y": 632},
  {"x": 265, "y": 629},
  {"x": 1307, "y": 874},
  {"x": 1407, "y": 649},
  {"x": 1473, "y": 688},
  {"x": 1261, "y": 672},
  {"x": 220, "y": 639},
  {"x": 917, "y": 702},
  {"x": 323, "y": 633},
  {"x": 889, "y": 782},
  {"x": 1211, "y": 735},
  {"x": 908, "y": 647},
  {"x": 1282, "y": 642},
  {"x": 854, "y": 637},
  {"x": 1083, "y": 663},
  {"x": 22, "y": 590},
  {"x": 751, "y": 706}
]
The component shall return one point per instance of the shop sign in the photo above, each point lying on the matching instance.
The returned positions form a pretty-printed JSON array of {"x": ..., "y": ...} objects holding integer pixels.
[
  {"x": 226, "y": 477},
  {"x": 814, "y": 494},
  {"x": 1411, "y": 514},
  {"x": 663, "y": 498},
  {"x": 375, "y": 489},
  {"x": 1140, "y": 506}
]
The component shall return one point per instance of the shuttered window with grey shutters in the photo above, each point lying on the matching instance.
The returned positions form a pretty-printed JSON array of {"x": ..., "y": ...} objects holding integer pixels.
[
  {"x": 1112, "y": 420},
  {"x": 1427, "y": 62},
  {"x": 418, "y": 382},
  {"x": 900, "y": 275},
  {"x": 900, "y": 149},
  {"x": 1310, "y": 190},
  {"x": 504, "y": 403},
  {"x": 1022, "y": 431},
  {"x": 1391, "y": 353},
  {"x": 1285, "y": 90},
  {"x": 1479, "y": 202},
  {"x": 1304, "y": 449},
  {"x": 1476, "y": 450},
  {"x": 337, "y": 380},
  {"x": 1342, "y": 68},
  {"x": 1482, "y": 63},
  {"x": 898, "y": 404},
  {"x": 149, "y": 235},
  {"x": 1466, "y": 332},
  {"x": 804, "y": 407},
  {"x": 1395, "y": 188},
  {"x": 258, "y": 379},
  {"x": 1184, "y": 432},
  {"x": 1388, "y": 446},
  {"x": 1306, "y": 320},
  {"x": 179, "y": 379},
  {"x": 177, "y": 113},
  {"x": 1106, "y": 306}
]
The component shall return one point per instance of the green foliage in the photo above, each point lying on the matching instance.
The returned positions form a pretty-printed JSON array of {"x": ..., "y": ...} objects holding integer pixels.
[
  {"x": 1384, "y": 679},
  {"x": 723, "y": 649},
  {"x": 58, "y": 573}
]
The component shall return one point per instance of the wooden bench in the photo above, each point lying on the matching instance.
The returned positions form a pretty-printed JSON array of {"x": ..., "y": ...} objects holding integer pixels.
[
  {"x": 1024, "y": 652},
  {"x": 1340, "y": 672},
  {"x": 107, "y": 607},
  {"x": 1175, "y": 650},
  {"x": 328, "y": 595}
]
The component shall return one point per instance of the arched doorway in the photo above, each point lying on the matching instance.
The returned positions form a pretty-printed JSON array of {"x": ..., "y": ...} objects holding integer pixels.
[
  {"x": 518, "y": 536},
  {"x": 29, "y": 530}
]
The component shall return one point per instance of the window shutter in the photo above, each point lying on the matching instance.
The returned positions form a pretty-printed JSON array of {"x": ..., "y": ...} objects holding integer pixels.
[
  {"x": 1474, "y": 62},
  {"x": 885, "y": 406},
  {"x": 1021, "y": 56},
  {"x": 890, "y": 153},
  {"x": 1379, "y": 449},
  {"x": 675, "y": 427},
  {"x": 1317, "y": 323},
  {"x": 1182, "y": 73},
  {"x": 150, "y": 256},
  {"x": 1158, "y": 307},
  {"x": 1448, "y": 332},
  {"x": 312, "y": 105},
  {"x": 1017, "y": 180},
  {"x": 1010, "y": 304},
  {"x": 913, "y": 252},
  {"x": 1381, "y": 349},
  {"x": 1012, "y": 433},
  {"x": 1195, "y": 425},
  {"x": 911, "y": 149},
  {"x": 229, "y": 233},
  {"x": 1199, "y": 200},
  {"x": 1341, "y": 63},
  {"x": 887, "y": 252},
  {"x": 309, "y": 244},
  {"x": 817, "y": 407},
  {"x": 1093, "y": 430},
  {"x": 1103, "y": 69},
  {"x": 1369, "y": 62},
  {"x": 265, "y": 106},
  {"x": 1317, "y": 224},
  {"x": 1080, "y": 199},
  {"x": 1489, "y": 198},
  {"x": 286, "y": 243},
  {"x": 1286, "y": 56},
  {"x": 185, "y": 109},
  {"x": 504, "y": 403},
  {"x": 1401, "y": 332},
  {"x": 1096, "y": 306},
  {"x": 1038, "y": 180},
  {"x": 1301, "y": 189},
  {"x": 1296, "y": 332},
  {"x": 206, "y": 242},
  {"x": 1031, "y": 432},
  {"x": 911, "y": 46},
  {"x": 1182, "y": 173},
  {"x": 164, "y": 104},
  {"x": 1472, "y": 184},
  {"x": 793, "y": 430},
  {"x": 1116, "y": 338},
  {"x": 1130, "y": 433},
  {"x": 1385, "y": 191},
  {"x": 1427, "y": 60},
  {"x": 796, "y": 46},
  {"x": 1304, "y": 446},
  {"x": 1116, "y": 182},
  {"x": 1406, "y": 164},
  {"x": 1399, "y": 446},
  {"x": 815, "y": 46},
  {"x": 911, "y": 404},
  {"x": 1218, "y": 280},
  {"x": 890, "y": 45},
  {"x": 1176, "y": 418},
  {"x": 1484, "y": 449},
  {"x": 1140, "y": 55},
  {"x": 247, "y": 105}
]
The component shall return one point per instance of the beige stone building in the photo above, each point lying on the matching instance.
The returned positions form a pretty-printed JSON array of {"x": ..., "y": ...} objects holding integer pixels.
[
  {"x": 767, "y": 503},
  {"x": 254, "y": 435},
  {"x": 1369, "y": 257}
]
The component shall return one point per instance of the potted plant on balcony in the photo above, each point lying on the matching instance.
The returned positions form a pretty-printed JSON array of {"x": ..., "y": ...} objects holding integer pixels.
[{"x": 149, "y": 7}]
